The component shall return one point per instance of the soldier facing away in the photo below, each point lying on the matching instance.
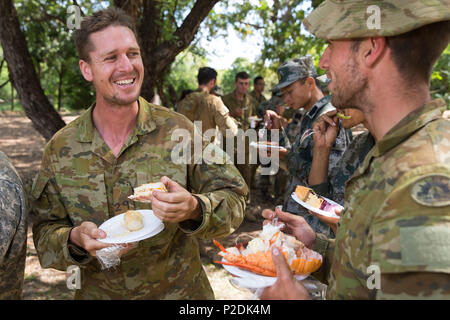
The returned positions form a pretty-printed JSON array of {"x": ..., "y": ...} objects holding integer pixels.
[
  {"x": 91, "y": 166},
  {"x": 393, "y": 237},
  {"x": 206, "y": 107},
  {"x": 13, "y": 231}
]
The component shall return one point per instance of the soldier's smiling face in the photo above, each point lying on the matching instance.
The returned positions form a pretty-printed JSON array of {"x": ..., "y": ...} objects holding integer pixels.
[
  {"x": 348, "y": 83},
  {"x": 115, "y": 66}
]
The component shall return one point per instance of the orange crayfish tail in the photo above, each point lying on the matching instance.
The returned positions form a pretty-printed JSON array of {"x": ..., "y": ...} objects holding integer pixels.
[
  {"x": 254, "y": 269},
  {"x": 220, "y": 246}
]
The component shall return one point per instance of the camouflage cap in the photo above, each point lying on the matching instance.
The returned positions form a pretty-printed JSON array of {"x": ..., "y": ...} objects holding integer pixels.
[
  {"x": 294, "y": 69},
  {"x": 347, "y": 19}
]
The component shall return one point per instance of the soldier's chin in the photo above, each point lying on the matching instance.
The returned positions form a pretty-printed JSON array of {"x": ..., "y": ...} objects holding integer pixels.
[{"x": 124, "y": 101}]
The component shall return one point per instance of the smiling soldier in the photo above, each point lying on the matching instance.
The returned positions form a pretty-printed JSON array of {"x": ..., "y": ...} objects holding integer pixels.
[
  {"x": 91, "y": 166},
  {"x": 397, "y": 203}
]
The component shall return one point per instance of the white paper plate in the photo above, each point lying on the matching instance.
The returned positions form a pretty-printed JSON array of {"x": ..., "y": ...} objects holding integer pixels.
[
  {"x": 262, "y": 145},
  {"x": 318, "y": 211},
  {"x": 252, "y": 280},
  {"x": 116, "y": 232}
]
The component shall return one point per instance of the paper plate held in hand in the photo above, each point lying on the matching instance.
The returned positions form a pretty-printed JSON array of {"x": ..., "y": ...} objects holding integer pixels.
[
  {"x": 251, "y": 280},
  {"x": 318, "y": 211},
  {"x": 116, "y": 232}
]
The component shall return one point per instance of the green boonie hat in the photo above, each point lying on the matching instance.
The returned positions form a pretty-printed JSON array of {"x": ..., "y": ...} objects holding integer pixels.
[
  {"x": 294, "y": 69},
  {"x": 347, "y": 19}
]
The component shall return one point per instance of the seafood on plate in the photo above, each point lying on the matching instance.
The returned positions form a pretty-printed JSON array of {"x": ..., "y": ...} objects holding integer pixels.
[
  {"x": 308, "y": 196},
  {"x": 133, "y": 220},
  {"x": 144, "y": 192},
  {"x": 256, "y": 255}
]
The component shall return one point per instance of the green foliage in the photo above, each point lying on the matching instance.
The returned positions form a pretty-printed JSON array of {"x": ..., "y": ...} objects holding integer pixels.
[
  {"x": 183, "y": 74},
  {"x": 440, "y": 78}
]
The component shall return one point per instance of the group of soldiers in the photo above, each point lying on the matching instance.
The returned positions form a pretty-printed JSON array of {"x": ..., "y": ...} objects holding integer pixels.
[
  {"x": 393, "y": 181},
  {"x": 239, "y": 109}
]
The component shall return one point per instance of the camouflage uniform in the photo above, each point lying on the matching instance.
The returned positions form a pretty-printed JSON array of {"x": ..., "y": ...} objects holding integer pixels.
[
  {"x": 397, "y": 215},
  {"x": 13, "y": 231},
  {"x": 299, "y": 160},
  {"x": 210, "y": 110},
  {"x": 259, "y": 99},
  {"x": 334, "y": 187},
  {"x": 81, "y": 180},
  {"x": 397, "y": 203},
  {"x": 249, "y": 105}
]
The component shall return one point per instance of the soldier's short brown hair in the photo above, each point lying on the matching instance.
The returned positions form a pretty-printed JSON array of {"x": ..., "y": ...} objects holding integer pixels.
[
  {"x": 97, "y": 22},
  {"x": 415, "y": 52}
]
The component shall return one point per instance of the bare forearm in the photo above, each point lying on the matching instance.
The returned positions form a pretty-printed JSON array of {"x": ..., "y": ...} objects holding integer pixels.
[{"x": 319, "y": 166}]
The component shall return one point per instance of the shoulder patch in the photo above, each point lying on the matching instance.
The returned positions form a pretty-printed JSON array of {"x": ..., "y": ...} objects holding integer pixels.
[{"x": 432, "y": 191}]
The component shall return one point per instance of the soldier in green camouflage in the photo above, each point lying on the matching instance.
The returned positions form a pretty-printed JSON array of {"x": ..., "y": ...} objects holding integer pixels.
[
  {"x": 242, "y": 106},
  {"x": 207, "y": 108},
  {"x": 258, "y": 89},
  {"x": 13, "y": 227},
  {"x": 393, "y": 237},
  {"x": 91, "y": 166}
]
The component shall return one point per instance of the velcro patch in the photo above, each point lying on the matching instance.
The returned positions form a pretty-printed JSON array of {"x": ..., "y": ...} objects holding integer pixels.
[
  {"x": 426, "y": 246},
  {"x": 432, "y": 191}
]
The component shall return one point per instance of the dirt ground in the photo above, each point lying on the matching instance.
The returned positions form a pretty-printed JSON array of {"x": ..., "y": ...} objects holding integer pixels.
[{"x": 24, "y": 146}]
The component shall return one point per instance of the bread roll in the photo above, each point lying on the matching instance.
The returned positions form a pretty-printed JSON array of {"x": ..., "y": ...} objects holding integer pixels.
[{"x": 133, "y": 220}]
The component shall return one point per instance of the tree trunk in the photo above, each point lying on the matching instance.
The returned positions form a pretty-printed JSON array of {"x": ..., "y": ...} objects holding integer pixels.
[
  {"x": 158, "y": 55},
  {"x": 60, "y": 82},
  {"x": 37, "y": 107}
]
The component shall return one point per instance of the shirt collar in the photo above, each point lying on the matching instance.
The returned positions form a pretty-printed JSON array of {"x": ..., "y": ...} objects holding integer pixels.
[
  {"x": 414, "y": 121},
  {"x": 317, "y": 107},
  {"x": 145, "y": 122}
]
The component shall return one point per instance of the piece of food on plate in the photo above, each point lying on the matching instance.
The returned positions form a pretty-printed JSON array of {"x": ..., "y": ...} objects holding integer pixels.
[
  {"x": 133, "y": 220},
  {"x": 308, "y": 196},
  {"x": 144, "y": 192},
  {"x": 256, "y": 255}
]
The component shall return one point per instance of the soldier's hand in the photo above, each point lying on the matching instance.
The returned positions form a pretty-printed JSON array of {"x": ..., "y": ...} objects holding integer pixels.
[
  {"x": 293, "y": 224},
  {"x": 238, "y": 112},
  {"x": 272, "y": 120},
  {"x": 286, "y": 287},
  {"x": 176, "y": 205},
  {"x": 330, "y": 221},
  {"x": 86, "y": 235},
  {"x": 326, "y": 130}
]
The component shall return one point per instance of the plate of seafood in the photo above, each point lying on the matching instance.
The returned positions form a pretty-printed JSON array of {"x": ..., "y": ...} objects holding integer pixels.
[
  {"x": 131, "y": 226},
  {"x": 252, "y": 261},
  {"x": 143, "y": 193},
  {"x": 307, "y": 198}
]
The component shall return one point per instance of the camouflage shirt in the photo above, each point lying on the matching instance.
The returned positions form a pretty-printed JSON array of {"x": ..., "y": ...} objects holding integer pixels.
[
  {"x": 300, "y": 159},
  {"x": 259, "y": 99},
  {"x": 334, "y": 187},
  {"x": 248, "y": 104},
  {"x": 397, "y": 216},
  {"x": 81, "y": 180},
  {"x": 210, "y": 110},
  {"x": 13, "y": 231}
]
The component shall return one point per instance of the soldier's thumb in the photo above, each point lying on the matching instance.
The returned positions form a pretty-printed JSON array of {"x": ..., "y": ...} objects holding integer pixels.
[
  {"x": 281, "y": 265},
  {"x": 171, "y": 185}
]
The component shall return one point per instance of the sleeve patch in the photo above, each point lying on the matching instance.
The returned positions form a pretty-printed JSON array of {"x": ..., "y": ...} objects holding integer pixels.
[
  {"x": 426, "y": 246},
  {"x": 432, "y": 191}
]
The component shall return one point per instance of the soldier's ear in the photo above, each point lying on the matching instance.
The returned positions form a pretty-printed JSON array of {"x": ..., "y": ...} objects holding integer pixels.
[
  {"x": 372, "y": 51},
  {"x": 86, "y": 70}
]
